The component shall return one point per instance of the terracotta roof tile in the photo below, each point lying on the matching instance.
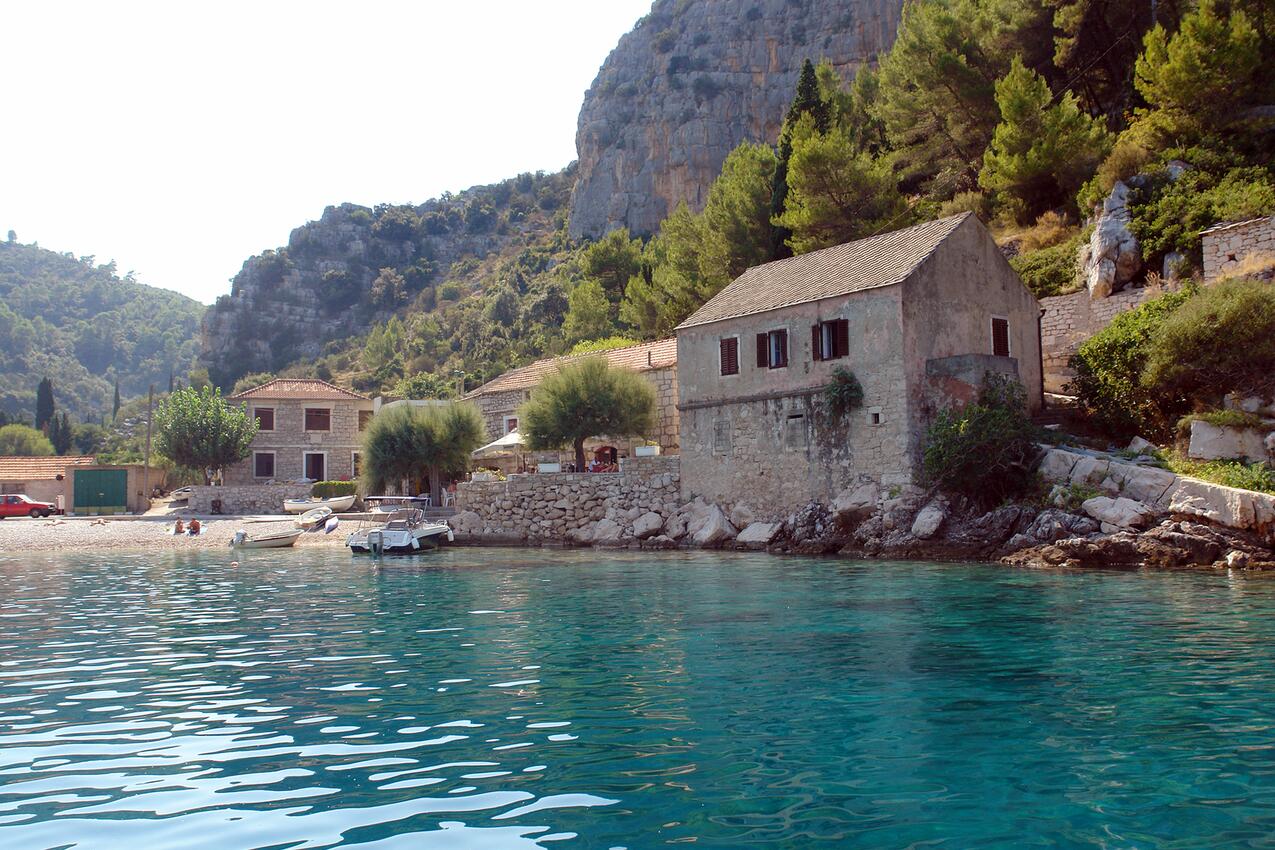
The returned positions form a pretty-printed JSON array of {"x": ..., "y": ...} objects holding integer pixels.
[
  {"x": 840, "y": 270},
  {"x": 299, "y": 388},
  {"x": 40, "y": 468},
  {"x": 661, "y": 354}
]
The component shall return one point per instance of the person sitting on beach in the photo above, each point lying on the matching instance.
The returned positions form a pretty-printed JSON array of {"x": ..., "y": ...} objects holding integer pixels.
[
  {"x": 179, "y": 528},
  {"x": 193, "y": 531}
]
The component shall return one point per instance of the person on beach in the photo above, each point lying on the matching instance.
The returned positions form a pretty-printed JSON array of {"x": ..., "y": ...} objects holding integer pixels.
[
  {"x": 180, "y": 527},
  {"x": 193, "y": 531}
]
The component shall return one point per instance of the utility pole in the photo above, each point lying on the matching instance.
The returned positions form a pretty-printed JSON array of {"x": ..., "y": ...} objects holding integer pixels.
[{"x": 146, "y": 460}]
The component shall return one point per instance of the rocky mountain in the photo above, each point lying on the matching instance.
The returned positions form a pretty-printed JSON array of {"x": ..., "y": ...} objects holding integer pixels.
[
  {"x": 356, "y": 265},
  {"x": 691, "y": 81}
]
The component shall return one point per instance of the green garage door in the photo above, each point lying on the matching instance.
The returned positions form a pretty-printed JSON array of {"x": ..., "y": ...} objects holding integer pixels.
[{"x": 101, "y": 491}]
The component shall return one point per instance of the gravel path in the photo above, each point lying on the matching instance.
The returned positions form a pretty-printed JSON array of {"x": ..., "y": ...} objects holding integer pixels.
[{"x": 51, "y": 535}]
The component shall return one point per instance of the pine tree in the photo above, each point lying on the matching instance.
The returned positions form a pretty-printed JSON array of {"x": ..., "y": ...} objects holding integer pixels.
[
  {"x": 44, "y": 407},
  {"x": 1040, "y": 154},
  {"x": 808, "y": 101},
  {"x": 589, "y": 313}
]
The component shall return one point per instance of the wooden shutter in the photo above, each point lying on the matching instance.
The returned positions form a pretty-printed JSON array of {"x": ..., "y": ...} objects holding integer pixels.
[
  {"x": 841, "y": 338},
  {"x": 1000, "y": 337},
  {"x": 730, "y": 355},
  {"x": 816, "y": 342},
  {"x": 781, "y": 348},
  {"x": 763, "y": 350}
]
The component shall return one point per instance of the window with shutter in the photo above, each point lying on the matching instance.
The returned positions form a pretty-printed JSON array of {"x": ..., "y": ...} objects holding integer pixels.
[
  {"x": 841, "y": 336},
  {"x": 318, "y": 419},
  {"x": 263, "y": 465},
  {"x": 1000, "y": 337},
  {"x": 816, "y": 342},
  {"x": 830, "y": 340},
  {"x": 264, "y": 417},
  {"x": 763, "y": 351},
  {"x": 772, "y": 349},
  {"x": 730, "y": 355}
]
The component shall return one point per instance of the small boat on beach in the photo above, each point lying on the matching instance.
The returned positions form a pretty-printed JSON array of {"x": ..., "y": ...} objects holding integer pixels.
[
  {"x": 315, "y": 518},
  {"x": 280, "y": 540},
  {"x": 337, "y": 504},
  {"x": 406, "y": 531}
]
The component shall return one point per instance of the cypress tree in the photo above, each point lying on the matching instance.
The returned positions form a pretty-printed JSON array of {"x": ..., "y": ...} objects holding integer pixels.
[
  {"x": 807, "y": 101},
  {"x": 61, "y": 433},
  {"x": 115, "y": 409},
  {"x": 43, "y": 404}
]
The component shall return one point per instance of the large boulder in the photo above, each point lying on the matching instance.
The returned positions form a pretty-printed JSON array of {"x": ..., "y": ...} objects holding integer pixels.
[
  {"x": 929, "y": 520},
  {"x": 710, "y": 528},
  {"x": 1056, "y": 465},
  {"x": 1224, "y": 442},
  {"x": 1119, "y": 513},
  {"x": 607, "y": 532},
  {"x": 759, "y": 534},
  {"x": 647, "y": 525},
  {"x": 1113, "y": 257},
  {"x": 1148, "y": 484},
  {"x": 856, "y": 504},
  {"x": 1243, "y": 510},
  {"x": 583, "y": 535}
]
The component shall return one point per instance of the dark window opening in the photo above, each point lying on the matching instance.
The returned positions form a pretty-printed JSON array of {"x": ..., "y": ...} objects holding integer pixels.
[
  {"x": 730, "y": 355},
  {"x": 263, "y": 465},
  {"x": 1000, "y": 337},
  {"x": 830, "y": 340},
  {"x": 265, "y": 416},
  {"x": 772, "y": 349},
  {"x": 318, "y": 419},
  {"x": 316, "y": 467}
]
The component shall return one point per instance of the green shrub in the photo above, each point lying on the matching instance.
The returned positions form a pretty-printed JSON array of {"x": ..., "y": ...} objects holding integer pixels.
[
  {"x": 1052, "y": 270},
  {"x": 844, "y": 393},
  {"x": 987, "y": 450},
  {"x": 1229, "y": 473},
  {"x": 1221, "y": 340},
  {"x": 1176, "y": 211},
  {"x": 333, "y": 489},
  {"x": 449, "y": 291},
  {"x": 1109, "y": 365}
]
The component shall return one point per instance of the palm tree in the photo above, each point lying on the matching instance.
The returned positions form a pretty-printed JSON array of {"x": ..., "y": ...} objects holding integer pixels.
[{"x": 420, "y": 443}]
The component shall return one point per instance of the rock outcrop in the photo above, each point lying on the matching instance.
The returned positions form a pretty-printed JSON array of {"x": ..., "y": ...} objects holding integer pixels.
[
  {"x": 1113, "y": 256},
  {"x": 690, "y": 82}
]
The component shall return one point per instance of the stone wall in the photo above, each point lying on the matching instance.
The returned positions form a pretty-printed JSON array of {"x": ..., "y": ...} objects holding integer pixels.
[
  {"x": 246, "y": 498},
  {"x": 581, "y": 507},
  {"x": 1227, "y": 246},
  {"x": 1069, "y": 320}
]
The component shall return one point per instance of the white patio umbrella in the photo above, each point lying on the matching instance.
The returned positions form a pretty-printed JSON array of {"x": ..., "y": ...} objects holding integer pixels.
[{"x": 509, "y": 444}]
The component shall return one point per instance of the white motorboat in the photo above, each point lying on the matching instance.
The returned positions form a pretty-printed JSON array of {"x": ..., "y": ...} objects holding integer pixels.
[
  {"x": 337, "y": 504},
  {"x": 406, "y": 531},
  {"x": 313, "y": 519},
  {"x": 281, "y": 540}
]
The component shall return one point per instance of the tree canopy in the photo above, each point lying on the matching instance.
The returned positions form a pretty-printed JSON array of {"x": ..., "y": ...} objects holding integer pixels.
[
  {"x": 197, "y": 428},
  {"x": 419, "y": 444},
  {"x": 24, "y": 441},
  {"x": 587, "y": 398}
]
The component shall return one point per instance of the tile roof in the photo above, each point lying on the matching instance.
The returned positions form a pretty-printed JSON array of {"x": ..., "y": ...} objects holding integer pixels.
[
  {"x": 840, "y": 270},
  {"x": 299, "y": 388},
  {"x": 40, "y": 468},
  {"x": 661, "y": 354}
]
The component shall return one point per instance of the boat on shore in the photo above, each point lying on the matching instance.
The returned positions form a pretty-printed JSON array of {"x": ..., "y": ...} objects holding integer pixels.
[
  {"x": 280, "y": 540},
  {"x": 314, "y": 518},
  {"x": 405, "y": 532},
  {"x": 337, "y": 504}
]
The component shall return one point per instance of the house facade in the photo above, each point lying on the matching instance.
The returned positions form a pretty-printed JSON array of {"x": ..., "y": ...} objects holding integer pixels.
[
  {"x": 44, "y": 479},
  {"x": 308, "y": 429},
  {"x": 499, "y": 400},
  {"x": 918, "y": 317}
]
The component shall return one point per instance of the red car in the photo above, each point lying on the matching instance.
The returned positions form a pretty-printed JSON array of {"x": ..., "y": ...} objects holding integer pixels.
[{"x": 24, "y": 506}]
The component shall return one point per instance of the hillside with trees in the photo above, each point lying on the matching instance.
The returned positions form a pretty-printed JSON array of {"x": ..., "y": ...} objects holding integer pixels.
[{"x": 93, "y": 332}]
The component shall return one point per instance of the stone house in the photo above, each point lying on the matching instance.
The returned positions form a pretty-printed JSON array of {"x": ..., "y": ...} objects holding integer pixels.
[
  {"x": 309, "y": 429},
  {"x": 919, "y": 316},
  {"x": 498, "y": 400},
  {"x": 44, "y": 479},
  {"x": 1243, "y": 247}
]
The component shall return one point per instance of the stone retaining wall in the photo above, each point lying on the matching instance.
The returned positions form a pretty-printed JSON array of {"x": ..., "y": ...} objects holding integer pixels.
[
  {"x": 247, "y": 498},
  {"x": 1227, "y": 246},
  {"x": 1069, "y": 320},
  {"x": 573, "y": 507}
]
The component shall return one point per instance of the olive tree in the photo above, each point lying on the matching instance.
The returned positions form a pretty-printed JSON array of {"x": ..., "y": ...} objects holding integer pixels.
[
  {"x": 196, "y": 428},
  {"x": 583, "y": 399},
  {"x": 419, "y": 443}
]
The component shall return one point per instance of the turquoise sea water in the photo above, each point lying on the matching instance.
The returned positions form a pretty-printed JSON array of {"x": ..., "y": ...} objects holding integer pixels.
[{"x": 512, "y": 699}]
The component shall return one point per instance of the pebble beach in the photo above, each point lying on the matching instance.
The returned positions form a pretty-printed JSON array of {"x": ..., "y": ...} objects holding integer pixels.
[{"x": 54, "y": 534}]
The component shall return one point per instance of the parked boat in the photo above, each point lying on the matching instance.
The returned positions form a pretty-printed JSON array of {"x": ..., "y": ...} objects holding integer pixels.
[
  {"x": 315, "y": 518},
  {"x": 405, "y": 532},
  {"x": 337, "y": 504},
  {"x": 281, "y": 540}
]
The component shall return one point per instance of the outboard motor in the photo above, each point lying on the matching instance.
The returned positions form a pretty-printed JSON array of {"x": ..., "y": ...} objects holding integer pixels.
[
  {"x": 239, "y": 538},
  {"x": 376, "y": 543}
]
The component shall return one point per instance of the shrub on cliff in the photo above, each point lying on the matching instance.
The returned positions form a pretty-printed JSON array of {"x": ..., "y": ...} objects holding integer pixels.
[
  {"x": 985, "y": 451},
  {"x": 1109, "y": 365},
  {"x": 587, "y": 399},
  {"x": 1221, "y": 340}
]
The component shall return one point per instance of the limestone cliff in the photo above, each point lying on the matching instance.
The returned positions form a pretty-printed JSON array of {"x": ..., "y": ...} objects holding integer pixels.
[{"x": 691, "y": 81}]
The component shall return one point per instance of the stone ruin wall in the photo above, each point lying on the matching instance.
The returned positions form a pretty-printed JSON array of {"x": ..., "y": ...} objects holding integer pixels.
[
  {"x": 1226, "y": 247},
  {"x": 247, "y": 498},
  {"x": 1069, "y": 320}
]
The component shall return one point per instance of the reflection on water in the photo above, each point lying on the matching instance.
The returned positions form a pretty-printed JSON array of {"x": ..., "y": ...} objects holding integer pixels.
[{"x": 509, "y": 699}]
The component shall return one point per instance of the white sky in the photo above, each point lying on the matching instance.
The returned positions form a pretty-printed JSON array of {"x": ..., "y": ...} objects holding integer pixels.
[{"x": 180, "y": 138}]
